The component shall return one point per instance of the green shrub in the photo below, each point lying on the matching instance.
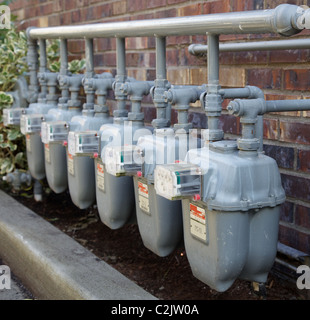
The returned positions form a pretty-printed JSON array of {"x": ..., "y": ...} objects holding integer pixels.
[{"x": 13, "y": 64}]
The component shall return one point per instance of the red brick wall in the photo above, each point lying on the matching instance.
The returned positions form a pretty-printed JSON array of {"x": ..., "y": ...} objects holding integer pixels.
[{"x": 281, "y": 74}]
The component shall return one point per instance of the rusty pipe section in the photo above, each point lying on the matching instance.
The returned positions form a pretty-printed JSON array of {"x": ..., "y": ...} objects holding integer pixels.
[{"x": 285, "y": 20}]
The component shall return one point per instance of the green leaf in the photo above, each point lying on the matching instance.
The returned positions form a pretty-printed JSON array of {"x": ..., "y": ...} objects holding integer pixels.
[
  {"x": 19, "y": 159},
  {"x": 13, "y": 134}
]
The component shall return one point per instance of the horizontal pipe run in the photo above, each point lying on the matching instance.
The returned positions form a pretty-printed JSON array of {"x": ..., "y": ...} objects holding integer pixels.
[
  {"x": 283, "y": 20},
  {"x": 200, "y": 49},
  {"x": 287, "y": 105}
]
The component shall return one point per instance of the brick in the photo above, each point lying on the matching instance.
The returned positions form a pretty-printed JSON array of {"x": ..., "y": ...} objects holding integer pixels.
[
  {"x": 189, "y": 10},
  {"x": 139, "y": 74},
  {"x": 167, "y": 13},
  {"x": 227, "y": 58},
  {"x": 264, "y": 78},
  {"x": 65, "y": 18},
  {"x": 172, "y": 57},
  {"x": 175, "y": 1},
  {"x": 216, "y": 7},
  {"x": 286, "y": 56},
  {"x": 230, "y": 124},
  {"x": 287, "y": 212},
  {"x": 76, "y": 46},
  {"x": 238, "y": 5},
  {"x": 177, "y": 40},
  {"x": 31, "y": 13},
  {"x": 303, "y": 160},
  {"x": 150, "y": 74},
  {"x": 54, "y": 20},
  {"x": 178, "y": 76},
  {"x": 43, "y": 22},
  {"x": 251, "y": 57},
  {"x": 198, "y": 119},
  {"x": 119, "y": 7},
  {"x": 70, "y": 5},
  {"x": 132, "y": 59},
  {"x": 136, "y": 5},
  {"x": 302, "y": 216},
  {"x": 284, "y": 156},
  {"x": 297, "y": 79},
  {"x": 296, "y": 187},
  {"x": 45, "y": 9},
  {"x": 82, "y": 3},
  {"x": 151, "y": 4},
  {"x": 149, "y": 60},
  {"x": 76, "y": 16},
  {"x": 104, "y": 44},
  {"x": 294, "y": 238},
  {"x": 270, "y": 128},
  {"x": 103, "y": 11},
  {"x": 58, "y": 5},
  {"x": 294, "y": 132},
  {"x": 232, "y": 77},
  {"x": 198, "y": 76},
  {"x": 137, "y": 43},
  {"x": 106, "y": 59},
  {"x": 149, "y": 113}
]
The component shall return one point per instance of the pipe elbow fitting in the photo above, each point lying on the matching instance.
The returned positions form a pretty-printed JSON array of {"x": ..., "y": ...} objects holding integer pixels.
[
  {"x": 255, "y": 92},
  {"x": 248, "y": 109},
  {"x": 288, "y": 19}
]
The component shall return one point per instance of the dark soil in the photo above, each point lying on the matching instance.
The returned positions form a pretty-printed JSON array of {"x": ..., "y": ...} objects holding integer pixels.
[{"x": 168, "y": 278}]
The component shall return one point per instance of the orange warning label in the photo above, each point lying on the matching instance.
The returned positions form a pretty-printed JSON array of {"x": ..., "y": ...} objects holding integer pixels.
[
  {"x": 143, "y": 189},
  {"x": 70, "y": 164},
  {"x": 197, "y": 213},
  {"x": 100, "y": 168}
]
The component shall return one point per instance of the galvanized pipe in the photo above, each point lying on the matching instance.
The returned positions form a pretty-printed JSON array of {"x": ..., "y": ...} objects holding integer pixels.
[
  {"x": 287, "y": 105},
  {"x": 88, "y": 106},
  {"x": 43, "y": 59},
  {"x": 120, "y": 78},
  {"x": 249, "y": 92},
  {"x": 42, "y": 70},
  {"x": 213, "y": 99},
  {"x": 161, "y": 69},
  {"x": 63, "y": 57},
  {"x": 32, "y": 62},
  {"x": 285, "y": 19},
  {"x": 89, "y": 57},
  {"x": 120, "y": 57},
  {"x": 163, "y": 109},
  {"x": 200, "y": 49},
  {"x": 63, "y": 73},
  {"x": 213, "y": 60}
]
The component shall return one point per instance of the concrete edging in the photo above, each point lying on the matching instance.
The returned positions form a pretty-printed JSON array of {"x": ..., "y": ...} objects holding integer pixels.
[{"x": 53, "y": 265}]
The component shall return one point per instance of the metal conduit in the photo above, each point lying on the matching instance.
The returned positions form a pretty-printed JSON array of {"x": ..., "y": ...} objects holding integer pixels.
[
  {"x": 285, "y": 19},
  {"x": 200, "y": 49},
  {"x": 287, "y": 105}
]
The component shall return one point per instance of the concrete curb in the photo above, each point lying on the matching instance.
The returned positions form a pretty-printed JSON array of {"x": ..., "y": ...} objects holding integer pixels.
[{"x": 53, "y": 265}]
